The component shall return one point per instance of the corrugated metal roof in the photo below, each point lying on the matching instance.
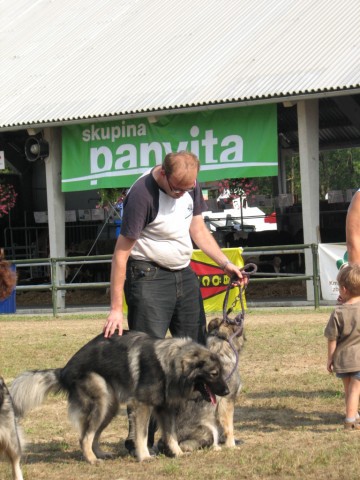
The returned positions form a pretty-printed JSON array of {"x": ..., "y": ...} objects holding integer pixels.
[{"x": 66, "y": 60}]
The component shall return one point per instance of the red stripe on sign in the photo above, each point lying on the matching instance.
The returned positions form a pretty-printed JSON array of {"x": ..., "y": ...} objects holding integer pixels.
[{"x": 212, "y": 279}]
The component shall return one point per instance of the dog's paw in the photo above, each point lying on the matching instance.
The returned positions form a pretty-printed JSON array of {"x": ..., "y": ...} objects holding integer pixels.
[
  {"x": 94, "y": 461},
  {"x": 233, "y": 444}
]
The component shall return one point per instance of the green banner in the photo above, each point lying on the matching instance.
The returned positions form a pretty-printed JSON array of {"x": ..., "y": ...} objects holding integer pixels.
[{"x": 230, "y": 143}]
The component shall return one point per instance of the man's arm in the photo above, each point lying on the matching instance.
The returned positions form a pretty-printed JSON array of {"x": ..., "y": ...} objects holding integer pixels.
[
  {"x": 122, "y": 251},
  {"x": 353, "y": 229},
  {"x": 206, "y": 242}
]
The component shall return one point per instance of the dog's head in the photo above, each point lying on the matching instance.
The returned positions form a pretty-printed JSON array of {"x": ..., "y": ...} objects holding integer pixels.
[
  {"x": 226, "y": 331},
  {"x": 203, "y": 373}
]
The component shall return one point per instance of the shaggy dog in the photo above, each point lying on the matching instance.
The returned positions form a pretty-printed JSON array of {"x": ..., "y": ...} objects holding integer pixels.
[
  {"x": 10, "y": 441},
  {"x": 149, "y": 373},
  {"x": 201, "y": 424}
]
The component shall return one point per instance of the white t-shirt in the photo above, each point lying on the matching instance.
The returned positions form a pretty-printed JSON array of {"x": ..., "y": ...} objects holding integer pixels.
[{"x": 160, "y": 223}]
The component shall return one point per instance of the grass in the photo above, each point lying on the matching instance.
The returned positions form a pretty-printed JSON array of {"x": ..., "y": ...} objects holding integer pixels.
[{"x": 288, "y": 418}]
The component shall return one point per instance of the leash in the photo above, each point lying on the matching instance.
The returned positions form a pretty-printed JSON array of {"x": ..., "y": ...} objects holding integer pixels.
[{"x": 238, "y": 321}]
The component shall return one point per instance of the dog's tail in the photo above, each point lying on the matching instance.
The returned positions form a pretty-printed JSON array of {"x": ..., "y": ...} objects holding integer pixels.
[{"x": 30, "y": 389}]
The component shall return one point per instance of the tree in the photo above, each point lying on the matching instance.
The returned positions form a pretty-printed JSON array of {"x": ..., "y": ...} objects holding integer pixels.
[{"x": 338, "y": 170}]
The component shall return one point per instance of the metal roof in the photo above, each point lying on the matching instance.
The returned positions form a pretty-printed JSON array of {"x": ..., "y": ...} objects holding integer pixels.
[{"x": 72, "y": 60}]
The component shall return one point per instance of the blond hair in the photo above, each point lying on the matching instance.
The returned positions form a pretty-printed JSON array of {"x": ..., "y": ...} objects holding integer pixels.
[{"x": 349, "y": 278}]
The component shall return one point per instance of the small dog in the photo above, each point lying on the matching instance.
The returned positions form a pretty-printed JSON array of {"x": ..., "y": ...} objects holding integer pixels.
[
  {"x": 10, "y": 440},
  {"x": 201, "y": 424},
  {"x": 151, "y": 374}
]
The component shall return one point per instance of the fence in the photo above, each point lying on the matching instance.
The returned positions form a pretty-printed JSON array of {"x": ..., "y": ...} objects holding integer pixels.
[{"x": 53, "y": 264}]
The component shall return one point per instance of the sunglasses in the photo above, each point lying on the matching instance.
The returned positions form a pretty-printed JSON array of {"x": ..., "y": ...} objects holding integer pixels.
[{"x": 179, "y": 190}]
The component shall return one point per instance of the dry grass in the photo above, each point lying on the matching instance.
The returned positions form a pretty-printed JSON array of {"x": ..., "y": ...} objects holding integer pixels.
[{"x": 288, "y": 417}]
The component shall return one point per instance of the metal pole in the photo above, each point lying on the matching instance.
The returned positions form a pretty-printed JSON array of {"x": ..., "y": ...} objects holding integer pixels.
[
  {"x": 314, "y": 250},
  {"x": 53, "y": 285}
]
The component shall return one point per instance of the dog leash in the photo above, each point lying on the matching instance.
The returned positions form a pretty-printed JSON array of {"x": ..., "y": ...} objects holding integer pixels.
[{"x": 248, "y": 270}]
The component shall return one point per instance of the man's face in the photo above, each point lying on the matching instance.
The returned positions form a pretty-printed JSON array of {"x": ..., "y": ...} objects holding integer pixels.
[{"x": 180, "y": 184}]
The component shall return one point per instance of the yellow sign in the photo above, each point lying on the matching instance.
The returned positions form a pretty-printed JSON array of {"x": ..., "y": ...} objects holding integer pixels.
[{"x": 214, "y": 282}]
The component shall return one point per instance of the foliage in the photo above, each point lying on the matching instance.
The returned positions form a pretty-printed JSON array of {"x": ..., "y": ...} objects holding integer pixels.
[
  {"x": 7, "y": 198},
  {"x": 265, "y": 185},
  {"x": 110, "y": 197},
  {"x": 338, "y": 170}
]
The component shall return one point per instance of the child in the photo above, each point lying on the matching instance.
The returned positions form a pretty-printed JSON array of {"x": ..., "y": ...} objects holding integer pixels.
[{"x": 343, "y": 334}]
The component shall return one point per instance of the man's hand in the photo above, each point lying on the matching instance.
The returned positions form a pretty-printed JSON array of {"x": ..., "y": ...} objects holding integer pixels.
[
  {"x": 113, "y": 322},
  {"x": 234, "y": 272}
]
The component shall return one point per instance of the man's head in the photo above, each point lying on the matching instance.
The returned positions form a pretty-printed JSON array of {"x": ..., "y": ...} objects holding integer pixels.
[{"x": 180, "y": 170}]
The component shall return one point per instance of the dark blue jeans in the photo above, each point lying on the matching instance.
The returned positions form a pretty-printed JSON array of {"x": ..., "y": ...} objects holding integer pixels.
[{"x": 160, "y": 300}]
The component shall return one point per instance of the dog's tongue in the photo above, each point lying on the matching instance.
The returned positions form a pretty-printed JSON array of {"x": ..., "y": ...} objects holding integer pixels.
[{"x": 211, "y": 395}]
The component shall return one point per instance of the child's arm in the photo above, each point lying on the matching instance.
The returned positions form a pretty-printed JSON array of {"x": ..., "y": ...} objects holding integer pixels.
[{"x": 331, "y": 350}]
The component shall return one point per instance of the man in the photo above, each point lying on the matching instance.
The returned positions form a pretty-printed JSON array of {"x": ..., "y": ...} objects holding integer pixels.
[
  {"x": 353, "y": 230},
  {"x": 161, "y": 219},
  {"x": 353, "y": 233},
  {"x": 151, "y": 261}
]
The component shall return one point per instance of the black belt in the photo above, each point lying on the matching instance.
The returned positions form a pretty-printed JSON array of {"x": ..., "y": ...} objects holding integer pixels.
[{"x": 154, "y": 264}]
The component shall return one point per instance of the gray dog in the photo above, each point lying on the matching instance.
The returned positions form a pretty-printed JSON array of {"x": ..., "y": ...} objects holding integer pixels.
[
  {"x": 10, "y": 439},
  {"x": 201, "y": 424},
  {"x": 151, "y": 374}
]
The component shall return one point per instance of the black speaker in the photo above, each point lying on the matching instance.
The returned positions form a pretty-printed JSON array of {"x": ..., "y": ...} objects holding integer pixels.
[{"x": 36, "y": 148}]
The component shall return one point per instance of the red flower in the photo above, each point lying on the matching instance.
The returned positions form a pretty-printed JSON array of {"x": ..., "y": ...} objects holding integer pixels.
[{"x": 7, "y": 198}]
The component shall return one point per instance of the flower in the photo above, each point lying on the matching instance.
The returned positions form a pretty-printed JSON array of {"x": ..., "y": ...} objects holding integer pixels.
[
  {"x": 237, "y": 187},
  {"x": 7, "y": 198}
]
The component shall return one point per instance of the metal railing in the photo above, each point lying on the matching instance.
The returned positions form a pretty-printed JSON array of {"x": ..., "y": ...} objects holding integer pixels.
[
  {"x": 55, "y": 285},
  {"x": 288, "y": 277}
]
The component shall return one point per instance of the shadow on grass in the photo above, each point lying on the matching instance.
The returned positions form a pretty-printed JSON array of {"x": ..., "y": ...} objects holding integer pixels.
[
  {"x": 54, "y": 452},
  {"x": 280, "y": 415},
  {"x": 271, "y": 419},
  {"x": 321, "y": 394}
]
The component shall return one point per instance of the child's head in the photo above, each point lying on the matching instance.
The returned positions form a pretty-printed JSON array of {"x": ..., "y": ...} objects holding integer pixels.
[{"x": 349, "y": 278}]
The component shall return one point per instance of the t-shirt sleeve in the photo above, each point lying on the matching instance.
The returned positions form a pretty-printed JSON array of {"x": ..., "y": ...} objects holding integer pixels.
[
  {"x": 199, "y": 202},
  {"x": 140, "y": 206},
  {"x": 331, "y": 331}
]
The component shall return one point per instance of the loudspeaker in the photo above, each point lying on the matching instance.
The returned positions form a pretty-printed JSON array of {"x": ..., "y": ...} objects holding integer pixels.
[{"x": 36, "y": 148}]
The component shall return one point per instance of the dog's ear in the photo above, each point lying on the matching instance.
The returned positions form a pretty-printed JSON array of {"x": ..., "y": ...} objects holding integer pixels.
[
  {"x": 214, "y": 324},
  {"x": 189, "y": 363}
]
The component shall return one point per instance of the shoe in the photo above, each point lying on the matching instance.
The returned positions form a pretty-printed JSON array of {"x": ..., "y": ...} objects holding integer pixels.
[{"x": 352, "y": 426}]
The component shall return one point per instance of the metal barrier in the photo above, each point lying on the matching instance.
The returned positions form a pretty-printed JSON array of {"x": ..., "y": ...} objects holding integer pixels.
[
  {"x": 281, "y": 277},
  {"x": 54, "y": 263}
]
